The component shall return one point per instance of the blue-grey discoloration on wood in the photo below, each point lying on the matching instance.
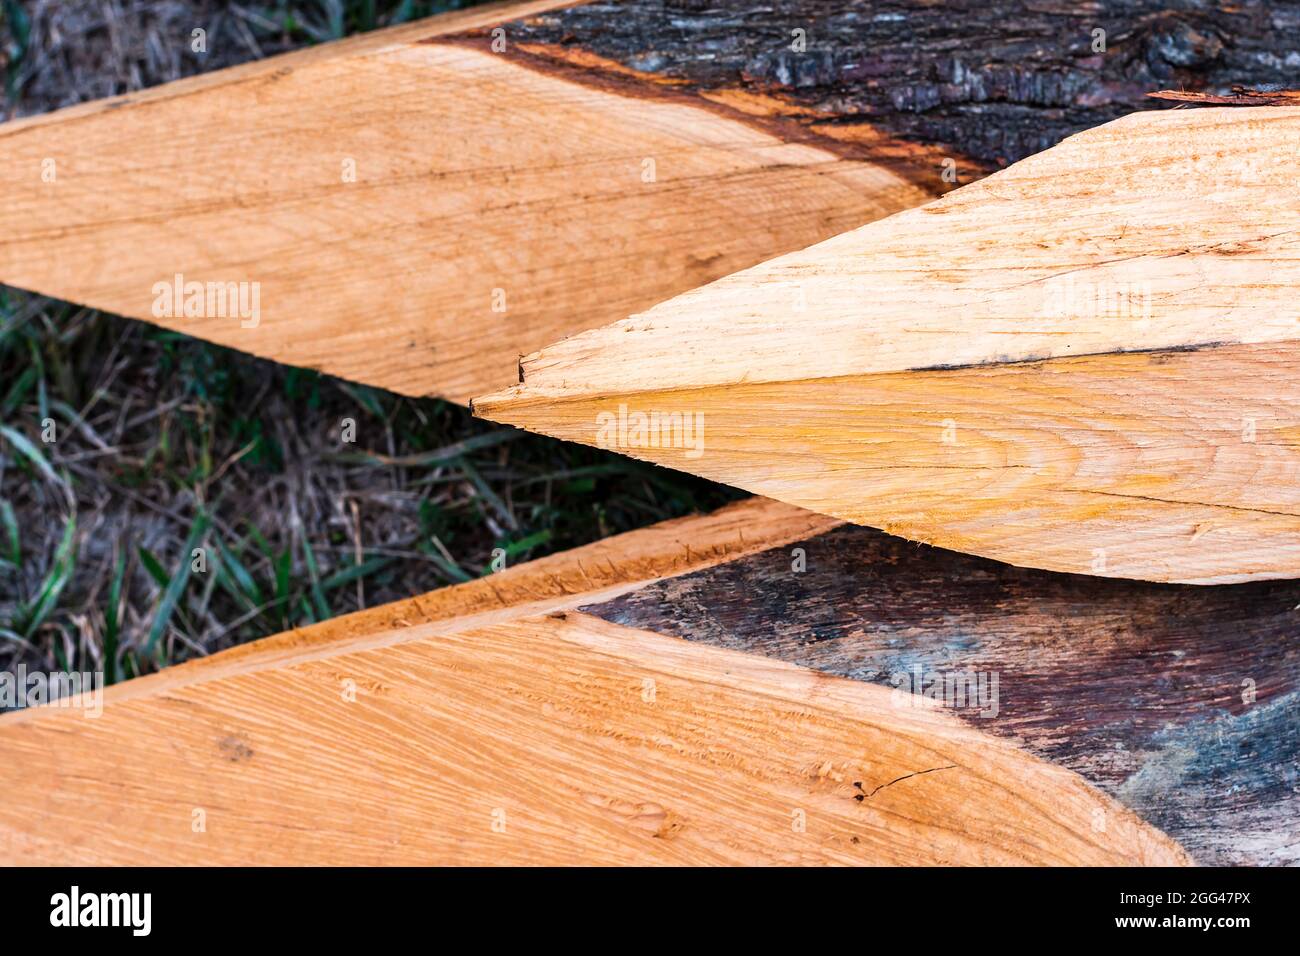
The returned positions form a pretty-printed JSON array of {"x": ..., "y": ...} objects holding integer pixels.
[
  {"x": 1182, "y": 702},
  {"x": 1237, "y": 779}
]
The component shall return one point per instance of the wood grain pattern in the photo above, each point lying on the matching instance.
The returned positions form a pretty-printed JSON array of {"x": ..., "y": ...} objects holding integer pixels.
[
  {"x": 1083, "y": 363},
  {"x": 1130, "y": 690},
  {"x": 1117, "y": 465},
  {"x": 553, "y": 740},
  {"x": 495, "y": 206},
  {"x": 1159, "y": 230},
  {"x": 492, "y": 178},
  {"x": 1181, "y": 702}
]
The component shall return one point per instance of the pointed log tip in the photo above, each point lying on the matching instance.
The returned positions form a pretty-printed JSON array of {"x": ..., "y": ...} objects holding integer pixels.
[{"x": 489, "y": 407}]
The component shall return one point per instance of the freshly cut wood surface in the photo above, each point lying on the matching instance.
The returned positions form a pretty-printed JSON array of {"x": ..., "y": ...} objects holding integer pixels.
[
  {"x": 1083, "y": 363},
  {"x": 527, "y": 171},
  {"x": 1097, "y": 719},
  {"x": 415, "y": 211},
  {"x": 542, "y": 740},
  {"x": 1181, "y": 702},
  {"x": 1156, "y": 231}
]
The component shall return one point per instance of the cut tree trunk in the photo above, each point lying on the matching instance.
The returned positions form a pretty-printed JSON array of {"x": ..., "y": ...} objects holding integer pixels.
[
  {"x": 416, "y": 208},
  {"x": 571, "y": 711},
  {"x": 1086, "y": 362},
  {"x": 508, "y": 735}
]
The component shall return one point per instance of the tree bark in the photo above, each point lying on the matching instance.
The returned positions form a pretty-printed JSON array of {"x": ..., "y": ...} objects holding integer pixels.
[{"x": 990, "y": 80}]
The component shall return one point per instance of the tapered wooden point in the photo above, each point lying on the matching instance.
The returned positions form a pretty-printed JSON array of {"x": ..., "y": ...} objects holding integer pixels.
[
  {"x": 1083, "y": 363},
  {"x": 414, "y": 209},
  {"x": 513, "y": 720}
]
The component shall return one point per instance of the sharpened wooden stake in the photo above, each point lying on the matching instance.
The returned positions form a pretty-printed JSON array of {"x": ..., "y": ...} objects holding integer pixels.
[
  {"x": 498, "y": 722},
  {"x": 416, "y": 208},
  {"x": 1087, "y": 362}
]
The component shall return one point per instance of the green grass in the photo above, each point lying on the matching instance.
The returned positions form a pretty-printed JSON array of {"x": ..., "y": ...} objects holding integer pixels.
[
  {"x": 54, "y": 53},
  {"x": 165, "y": 445}
]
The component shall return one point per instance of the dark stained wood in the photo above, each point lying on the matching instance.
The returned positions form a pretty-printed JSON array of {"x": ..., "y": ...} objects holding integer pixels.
[{"x": 1182, "y": 702}]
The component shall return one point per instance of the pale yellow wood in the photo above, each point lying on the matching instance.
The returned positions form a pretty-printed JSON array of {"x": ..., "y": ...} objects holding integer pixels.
[
  {"x": 540, "y": 740},
  {"x": 1159, "y": 230},
  {"x": 1167, "y": 465},
  {"x": 1175, "y": 466},
  {"x": 496, "y": 205}
]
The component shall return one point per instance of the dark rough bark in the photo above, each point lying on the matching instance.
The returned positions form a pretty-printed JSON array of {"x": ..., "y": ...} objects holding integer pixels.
[
  {"x": 1182, "y": 702},
  {"x": 993, "y": 80}
]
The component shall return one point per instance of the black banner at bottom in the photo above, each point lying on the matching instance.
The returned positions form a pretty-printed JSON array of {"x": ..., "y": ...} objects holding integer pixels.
[{"x": 333, "y": 906}]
